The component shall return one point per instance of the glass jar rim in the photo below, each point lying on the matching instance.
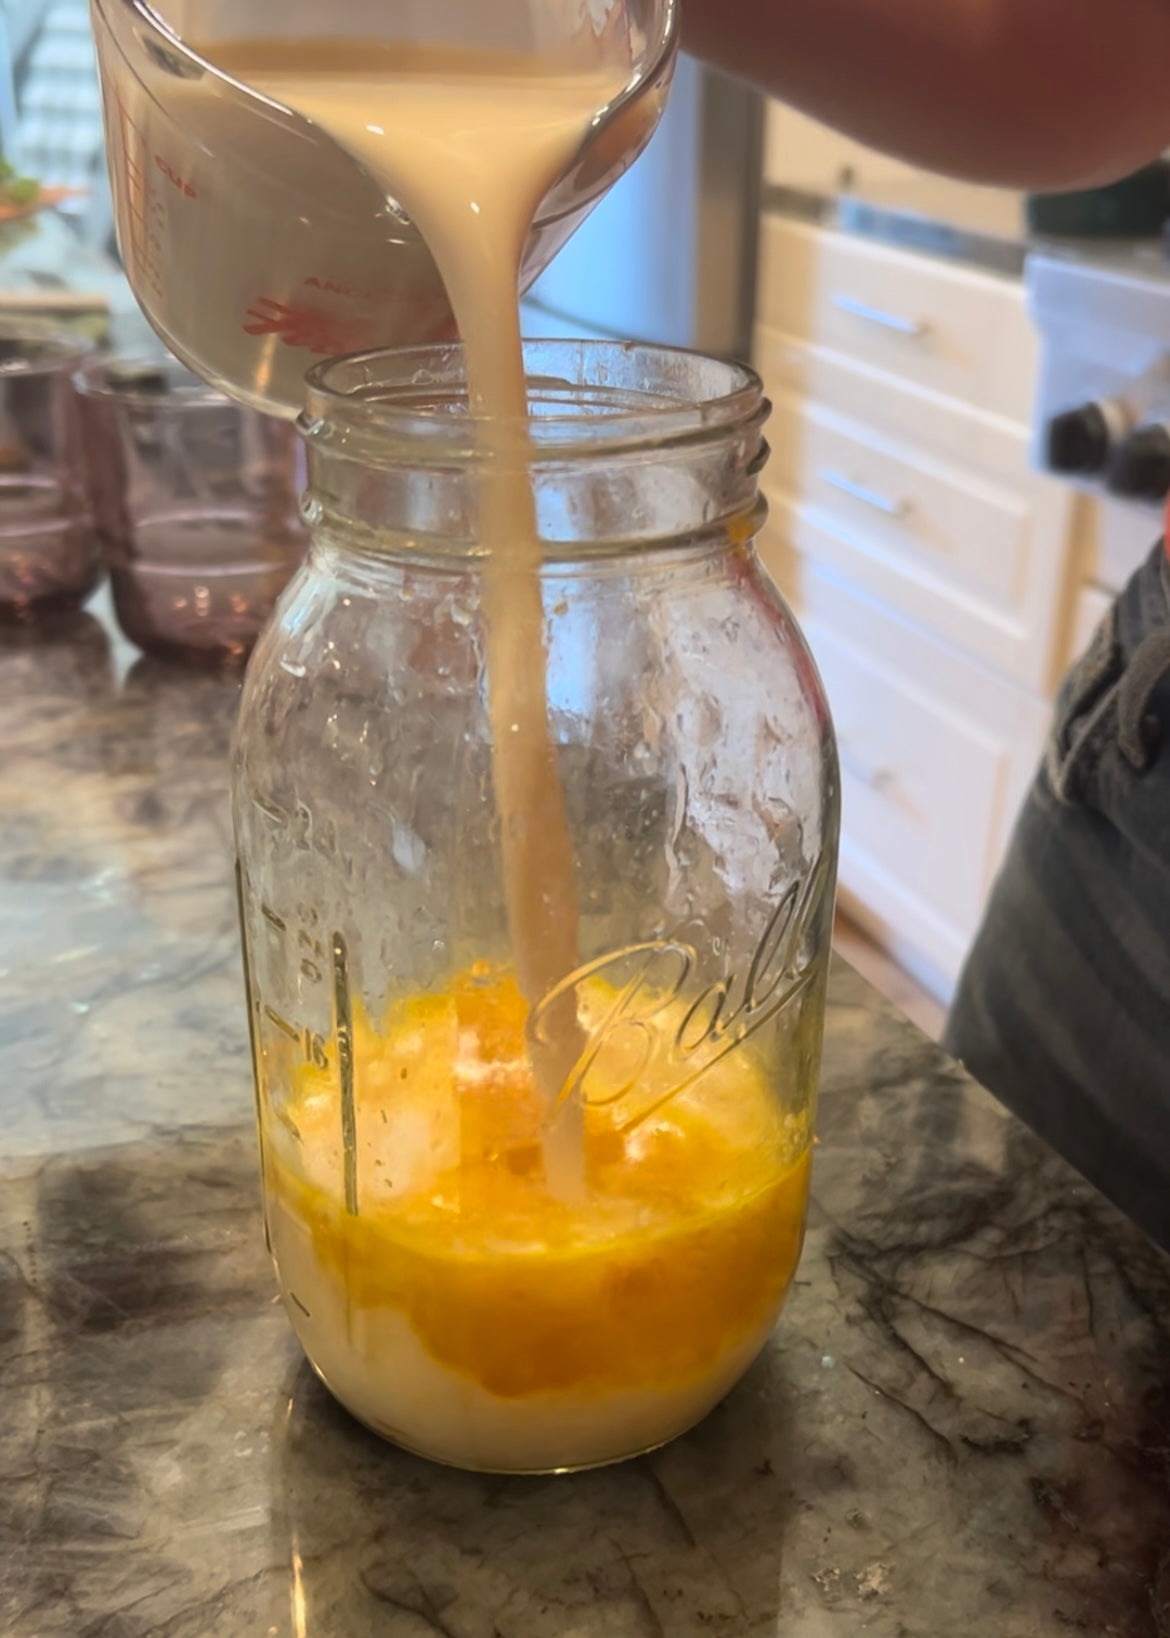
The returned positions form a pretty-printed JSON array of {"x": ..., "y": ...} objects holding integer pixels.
[
  {"x": 411, "y": 402},
  {"x": 31, "y": 349},
  {"x": 97, "y": 378}
]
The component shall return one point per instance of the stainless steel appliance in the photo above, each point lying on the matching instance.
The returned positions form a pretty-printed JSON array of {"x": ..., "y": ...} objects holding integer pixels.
[
  {"x": 1102, "y": 416},
  {"x": 669, "y": 255}
]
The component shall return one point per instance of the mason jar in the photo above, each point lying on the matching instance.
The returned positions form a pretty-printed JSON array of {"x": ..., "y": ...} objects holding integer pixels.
[
  {"x": 195, "y": 504},
  {"x": 493, "y": 1268},
  {"x": 49, "y": 557}
]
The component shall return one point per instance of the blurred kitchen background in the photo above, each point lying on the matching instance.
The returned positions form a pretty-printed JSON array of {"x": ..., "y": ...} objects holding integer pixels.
[{"x": 970, "y": 440}]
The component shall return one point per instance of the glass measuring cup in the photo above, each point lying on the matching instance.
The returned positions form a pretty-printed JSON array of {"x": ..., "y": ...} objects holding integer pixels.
[{"x": 254, "y": 244}]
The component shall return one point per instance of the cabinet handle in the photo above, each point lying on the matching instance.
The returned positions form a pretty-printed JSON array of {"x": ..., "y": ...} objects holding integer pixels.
[
  {"x": 878, "y": 315},
  {"x": 880, "y": 780},
  {"x": 889, "y": 505}
]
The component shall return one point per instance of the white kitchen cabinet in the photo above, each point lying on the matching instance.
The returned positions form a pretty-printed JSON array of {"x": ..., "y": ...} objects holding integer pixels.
[
  {"x": 934, "y": 572},
  {"x": 801, "y": 153},
  {"x": 936, "y": 755},
  {"x": 947, "y": 329},
  {"x": 978, "y": 556}
]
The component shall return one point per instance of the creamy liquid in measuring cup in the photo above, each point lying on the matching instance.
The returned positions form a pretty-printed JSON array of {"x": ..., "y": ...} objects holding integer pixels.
[{"x": 501, "y": 1298}]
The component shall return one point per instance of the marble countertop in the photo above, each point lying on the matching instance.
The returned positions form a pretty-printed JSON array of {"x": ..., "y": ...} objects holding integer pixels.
[{"x": 961, "y": 1427}]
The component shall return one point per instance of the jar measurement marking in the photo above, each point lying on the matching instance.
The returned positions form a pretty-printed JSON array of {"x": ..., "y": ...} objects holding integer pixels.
[
  {"x": 253, "y": 1043},
  {"x": 312, "y": 1044},
  {"x": 271, "y": 809},
  {"x": 343, "y": 1029},
  {"x": 282, "y": 1024}
]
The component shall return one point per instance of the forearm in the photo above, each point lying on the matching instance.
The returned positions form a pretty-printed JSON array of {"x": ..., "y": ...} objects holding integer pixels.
[{"x": 1027, "y": 93}]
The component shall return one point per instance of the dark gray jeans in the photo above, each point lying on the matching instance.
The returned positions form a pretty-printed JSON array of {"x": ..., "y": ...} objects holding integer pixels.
[{"x": 1063, "y": 1010}]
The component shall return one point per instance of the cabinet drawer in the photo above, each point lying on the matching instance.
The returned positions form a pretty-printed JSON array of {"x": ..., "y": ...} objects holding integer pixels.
[
  {"x": 935, "y": 758},
  {"x": 901, "y": 412},
  {"x": 953, "y": 331},
  {"x": 978, "y": 561},
  {"x": 951, "y": 522}
]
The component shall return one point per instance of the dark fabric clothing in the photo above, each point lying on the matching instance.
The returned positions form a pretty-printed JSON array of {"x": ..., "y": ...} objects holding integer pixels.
[{"x": 1063, "y": 1009}]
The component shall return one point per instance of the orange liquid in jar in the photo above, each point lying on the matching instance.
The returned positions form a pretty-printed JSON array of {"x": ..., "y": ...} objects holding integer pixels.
[{"x": 469, "y": 1310}]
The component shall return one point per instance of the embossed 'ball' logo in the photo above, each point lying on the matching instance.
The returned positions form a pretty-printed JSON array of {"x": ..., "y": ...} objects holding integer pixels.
[{"x": 658, "y": 1028}]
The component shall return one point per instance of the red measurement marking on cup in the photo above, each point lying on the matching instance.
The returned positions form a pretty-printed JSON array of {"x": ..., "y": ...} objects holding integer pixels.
[
  {"x": 305, "y": 327},
  {"x": 143, "y": 227},
  {"x": 405, "y": 302},
  {"x": 173, "y": 177},
  {"x": 333, "y": 287}
]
